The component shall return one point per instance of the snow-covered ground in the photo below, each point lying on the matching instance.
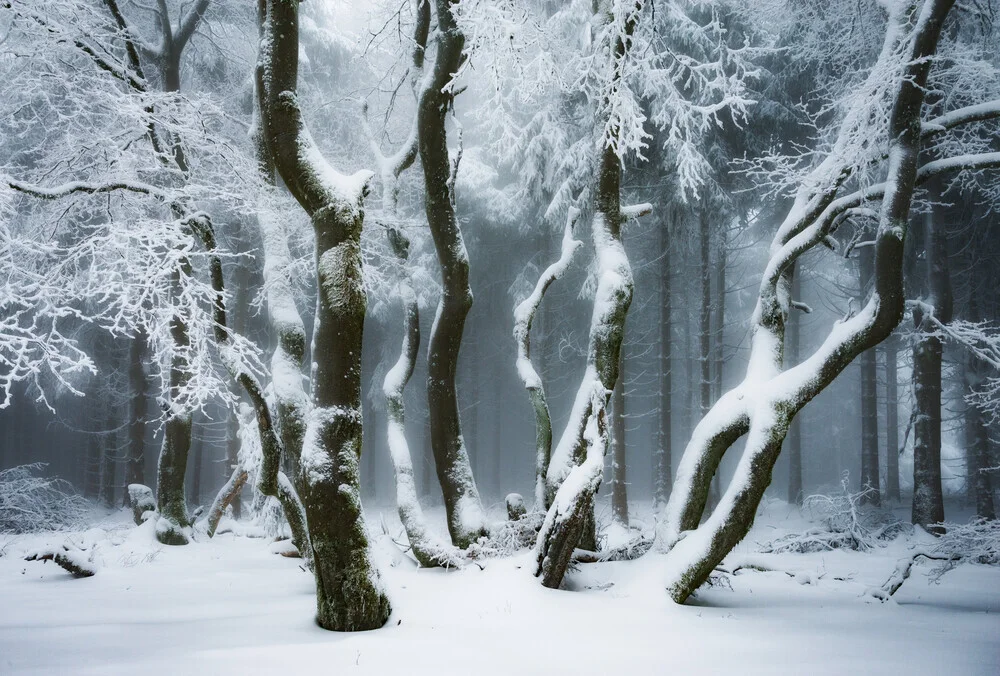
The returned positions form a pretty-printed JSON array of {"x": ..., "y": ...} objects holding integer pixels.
[{"x": 230, "y": 606}]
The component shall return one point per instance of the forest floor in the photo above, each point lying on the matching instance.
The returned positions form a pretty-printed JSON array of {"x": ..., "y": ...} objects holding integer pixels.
[{"x": 231, "y": 606}]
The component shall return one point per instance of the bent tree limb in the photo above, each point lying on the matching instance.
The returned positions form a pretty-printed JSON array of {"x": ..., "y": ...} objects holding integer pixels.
[
  {"x": 349, "y": 593},
  {"x": 466, "y": 520},
  {"x": 427, "y": 548},
  {"x": 524, "y": 314},
  {"x": 770, "y": 397}
]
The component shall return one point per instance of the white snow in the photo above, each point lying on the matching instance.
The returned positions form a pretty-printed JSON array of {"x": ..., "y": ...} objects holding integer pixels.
[{"x": 230, "y": 606}]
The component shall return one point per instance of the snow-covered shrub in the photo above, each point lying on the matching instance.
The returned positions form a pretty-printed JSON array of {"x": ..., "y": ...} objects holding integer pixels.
[
  {"x": 31, "y": 503},
  {"x": 509, "y": 537},
  {"x": 846, "y": 523}
]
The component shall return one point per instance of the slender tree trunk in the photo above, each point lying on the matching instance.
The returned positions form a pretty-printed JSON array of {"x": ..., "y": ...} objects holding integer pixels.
[
  {"x": 891, "y": 419},
  {"x": 662, "y": 455},
  {"x": 977, "y": 437},
  {"x": 869, "y": 396},
  {"x": 793, "y": 442},
  {"x": 705, "y": 325},
  {"x": 466, "y": 521},
  {"x": 619, "y": 491},
  {"x": 524, "y": 315},
  {"x": 197, "y": 461},
  {"x": 928, "y": 499},
  {"x": 426, "y": 547},
  {"x": 135, "y": 467},
  {"x": 109, "y": 458}
]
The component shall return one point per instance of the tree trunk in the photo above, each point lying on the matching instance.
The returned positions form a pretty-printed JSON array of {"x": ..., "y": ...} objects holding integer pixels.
[
  {"x": 135, "y": 467},
  {"x": 466, "y": 521},
  {"x": 524, "y": 315},
  {"x": 662, "y": 454},
  {"x": 109, "y": 458},
  {"x": 869, "y": 396},
  {"x": 349, "y": 594},
  {"x": 793, "y": 442},
  {"x": 705, "y": 326},
  {"x": 197, "y": 461},
  {"x": 619, "y": 491},
  {"x": 577, "y": 463},
  {"x": 977, "y": 436},
  {"x": 233, "y": 461},
  {"x": 769, "y": 397},
  {"x": 928, "y": 499},
  {"x": 891, "y": 419},
  {"x": 170, "y": 498},
  {"x": 426, "y": 547}
]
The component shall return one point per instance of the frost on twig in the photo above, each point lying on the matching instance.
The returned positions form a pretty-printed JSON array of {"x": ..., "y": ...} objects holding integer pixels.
[
  {"x": 846, "y": 523},
  {"x": 30, "y": 504}
]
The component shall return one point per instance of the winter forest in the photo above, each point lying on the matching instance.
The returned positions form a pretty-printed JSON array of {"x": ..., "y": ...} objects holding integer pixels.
[{"x": 499, "y": 336}]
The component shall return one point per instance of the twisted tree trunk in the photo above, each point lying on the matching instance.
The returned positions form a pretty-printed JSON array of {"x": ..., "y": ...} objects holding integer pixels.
[
  {"x": 466, "y": 521},
  {"x": 426, "y": 547},
  {"x": 770, "y": 397},
  {"x": 349, "y": 594},
  {"x": 524, "y": 315},
  {"x": 577, "y": 464}
]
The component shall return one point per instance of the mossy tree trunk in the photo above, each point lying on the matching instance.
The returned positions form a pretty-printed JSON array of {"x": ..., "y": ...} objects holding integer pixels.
[{"x": 349, "y": 594}]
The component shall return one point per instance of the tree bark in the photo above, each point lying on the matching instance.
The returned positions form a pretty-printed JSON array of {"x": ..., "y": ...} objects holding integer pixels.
[
  {"x": 466, "y": 521},
  {"x": 135, "y": 467},
  {"x": 705, "y": 326},
  {"x": 426, "y": 547},
  {"x": 793, "y": 442},
  {"x": 170, "y": 499},
  {"x": 577, "y": 464},
  {"x": 619, "y": 468},
  {"x": 977, "y": 435},
  {"x": 662, "y": 454},
  {"x": 928, "y": 498},
  {"x": 524, "y": 315},
  {"x": 891, "y": 419},
  {"x": 349, "y": 594},
  {"x": 869, "y": 397}
]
